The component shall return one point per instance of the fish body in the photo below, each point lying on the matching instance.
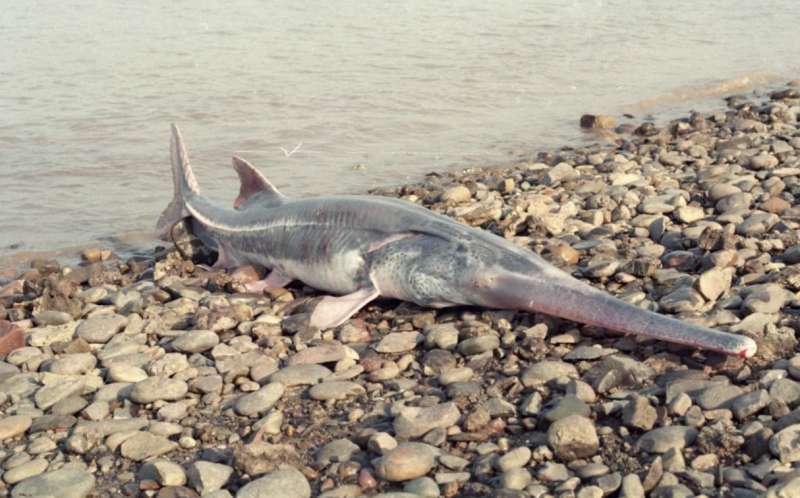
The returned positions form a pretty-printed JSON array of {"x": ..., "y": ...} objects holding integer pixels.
[{"x": 363, "y": 247}]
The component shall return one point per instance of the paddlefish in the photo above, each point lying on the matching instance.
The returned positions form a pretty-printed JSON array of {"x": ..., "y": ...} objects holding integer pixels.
[{"x": 360, "y": 247}]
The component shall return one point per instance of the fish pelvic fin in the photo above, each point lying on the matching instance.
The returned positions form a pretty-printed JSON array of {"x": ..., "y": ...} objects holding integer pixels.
[
  {"x": 184, "y": 183},
  {"x": 253, "y": 183}
]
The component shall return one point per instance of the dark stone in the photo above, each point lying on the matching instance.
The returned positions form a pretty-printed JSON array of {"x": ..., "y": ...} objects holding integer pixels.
[
  {"x": 57, "y": 296},
  {"x": 714, "y": 239},
  {"x": 464, "y": 390},
  {"x": 439, "y": 360}
]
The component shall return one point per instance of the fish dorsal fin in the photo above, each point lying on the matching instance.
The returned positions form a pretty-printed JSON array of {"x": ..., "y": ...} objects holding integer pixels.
[{"x": 253, "y": 182}]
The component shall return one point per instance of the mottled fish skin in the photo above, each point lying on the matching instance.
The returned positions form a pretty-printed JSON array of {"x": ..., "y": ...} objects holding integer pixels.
[{"x": 364, "y": 246}]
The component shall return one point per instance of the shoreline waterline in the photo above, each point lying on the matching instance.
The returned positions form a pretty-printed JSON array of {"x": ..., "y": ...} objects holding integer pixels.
[{"x": 658, "y": 109}]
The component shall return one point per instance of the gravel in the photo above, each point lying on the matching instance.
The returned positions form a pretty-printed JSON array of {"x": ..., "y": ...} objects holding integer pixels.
[{"x": 156, "y": 377}]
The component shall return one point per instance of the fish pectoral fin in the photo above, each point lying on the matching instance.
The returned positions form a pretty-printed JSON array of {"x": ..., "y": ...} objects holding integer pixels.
[
  {"x": 333, "y": 311},
  {"x": 274, "y": 279}
]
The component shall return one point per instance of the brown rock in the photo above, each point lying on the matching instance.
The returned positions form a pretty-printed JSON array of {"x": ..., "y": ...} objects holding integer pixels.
[
  {"x": 57, "y": 295},
  {"x": 598, "y": 122},
  {"x": 85, "y": 273},
  {"x": 11, "y": 337},
  {"x": 714, "y": 239},
  {"x": 565, "y": 253},
  {"x": 15, "y": 287},
  {"x": 774, "y": 205},
  {"x": 248, "y": 274}
]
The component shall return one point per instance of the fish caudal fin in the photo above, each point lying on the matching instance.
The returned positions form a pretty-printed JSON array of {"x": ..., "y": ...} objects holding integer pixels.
[
  {"x": 183, "y": 182},
  {"x": 253, "y": 183}
]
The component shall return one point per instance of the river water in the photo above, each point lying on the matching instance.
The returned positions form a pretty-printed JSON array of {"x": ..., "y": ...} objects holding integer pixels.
[{"x": 306, "y": 92}]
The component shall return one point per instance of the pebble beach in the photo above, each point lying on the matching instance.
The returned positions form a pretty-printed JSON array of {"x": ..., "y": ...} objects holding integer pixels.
[{"x": 150, "y": 376}]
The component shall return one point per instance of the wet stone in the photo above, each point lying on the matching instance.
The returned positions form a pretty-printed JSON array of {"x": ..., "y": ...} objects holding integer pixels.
[{"x": 598, "y": 122}]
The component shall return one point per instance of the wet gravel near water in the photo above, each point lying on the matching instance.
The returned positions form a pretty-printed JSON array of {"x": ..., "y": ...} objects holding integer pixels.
[{"x": 153, "y": 377}]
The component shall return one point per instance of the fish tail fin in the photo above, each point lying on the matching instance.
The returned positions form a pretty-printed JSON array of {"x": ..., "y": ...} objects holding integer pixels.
[{"x": 184, "y": 184}]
